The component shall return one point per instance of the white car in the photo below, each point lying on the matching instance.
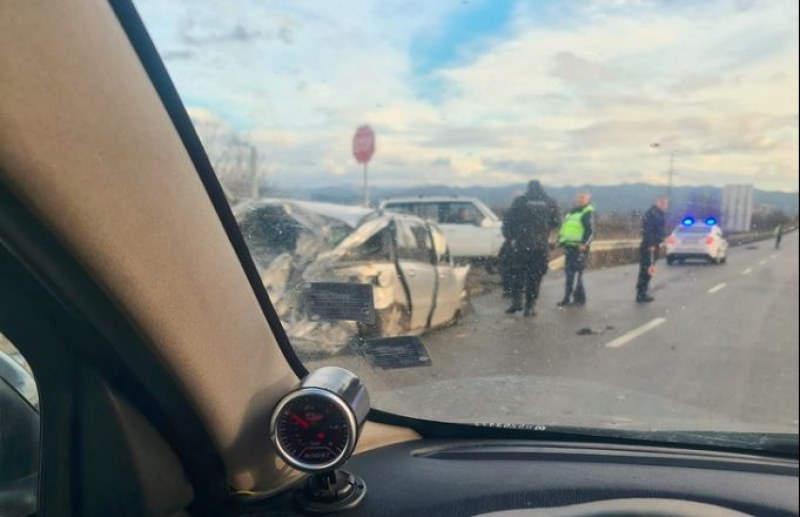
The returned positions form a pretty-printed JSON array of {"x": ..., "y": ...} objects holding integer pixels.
[
  {"x": 697, "y": 240},
  {"x": 472, "y": 230},
  {"x": 416, "y": 286}
]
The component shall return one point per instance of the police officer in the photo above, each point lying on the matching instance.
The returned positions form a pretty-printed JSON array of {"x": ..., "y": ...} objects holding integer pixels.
[
  {"x": 652, "y": 237},
  {"x": 574, "y": 236},
  {"x": 527, "y": 226},
  {"x": 778, "y": 235}
]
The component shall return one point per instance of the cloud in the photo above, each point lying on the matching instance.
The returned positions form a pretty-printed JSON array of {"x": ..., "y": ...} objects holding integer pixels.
[
  {"x": 176, "y": 54},
  {"x": 575, "y": 69},
  {"x": 692, "y": 83},
  {"x": 578, "y": 90}
]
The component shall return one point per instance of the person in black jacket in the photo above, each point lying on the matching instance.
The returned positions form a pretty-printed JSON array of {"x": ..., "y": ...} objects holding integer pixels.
[
  {"x": 652, "y": 237},
  {"x": 527, "y": 226}
]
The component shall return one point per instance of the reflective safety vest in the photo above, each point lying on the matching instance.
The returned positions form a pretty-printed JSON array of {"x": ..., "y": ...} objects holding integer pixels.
[{"x": 571, "y": 231}]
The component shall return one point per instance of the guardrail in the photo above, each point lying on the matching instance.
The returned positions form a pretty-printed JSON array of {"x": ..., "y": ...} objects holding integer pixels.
[{"x": 626, "y": 251}]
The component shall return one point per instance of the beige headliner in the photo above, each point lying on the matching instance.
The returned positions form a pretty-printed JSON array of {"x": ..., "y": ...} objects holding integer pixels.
[{"x": 85, "y": 141}]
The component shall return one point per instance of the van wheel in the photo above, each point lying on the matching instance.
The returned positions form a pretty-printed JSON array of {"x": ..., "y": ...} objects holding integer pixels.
[{"x": 670, "y": 261}]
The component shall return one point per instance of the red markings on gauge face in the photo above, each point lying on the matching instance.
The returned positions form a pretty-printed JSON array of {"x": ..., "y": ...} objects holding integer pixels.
[{"x": 299, "y": 421}]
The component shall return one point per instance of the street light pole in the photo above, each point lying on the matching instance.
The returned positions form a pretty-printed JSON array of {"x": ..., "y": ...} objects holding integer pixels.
[{"x": 366, "y": 186}]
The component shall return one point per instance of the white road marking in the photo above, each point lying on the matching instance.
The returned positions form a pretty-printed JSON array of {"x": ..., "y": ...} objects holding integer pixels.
[
  {"x": 633, "y": 334},
  {"x": 747, "y": 271},
  {"x": 717, "y": 287},
  {"x": 762, "y": 262},
  {"x": 772, "y": 256}
]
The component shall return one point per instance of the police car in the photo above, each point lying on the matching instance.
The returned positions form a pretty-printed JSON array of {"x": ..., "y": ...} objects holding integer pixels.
[{"x": 701, "y": 240}]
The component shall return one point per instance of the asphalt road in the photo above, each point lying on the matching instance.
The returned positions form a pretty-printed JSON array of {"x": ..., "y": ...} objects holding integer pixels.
[{"x": 718, "y": 349}]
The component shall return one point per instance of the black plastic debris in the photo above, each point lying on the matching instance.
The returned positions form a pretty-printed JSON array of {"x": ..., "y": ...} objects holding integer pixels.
[
  {"x": 587, "y": 331},
  {"x": 340, "y": 301},
  {"x": 396, "y": 352}
]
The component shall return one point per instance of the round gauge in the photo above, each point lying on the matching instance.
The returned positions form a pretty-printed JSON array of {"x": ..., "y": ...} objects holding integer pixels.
[
  {"x": 315, "y": 427},
  {"x": 313, "y": 430}
]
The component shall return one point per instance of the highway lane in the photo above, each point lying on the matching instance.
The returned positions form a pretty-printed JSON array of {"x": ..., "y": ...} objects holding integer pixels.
[{"x": 718, "y": 347}]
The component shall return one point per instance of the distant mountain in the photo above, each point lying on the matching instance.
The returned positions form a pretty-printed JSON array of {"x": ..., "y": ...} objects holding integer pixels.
[{"x": 609, "y": 198}]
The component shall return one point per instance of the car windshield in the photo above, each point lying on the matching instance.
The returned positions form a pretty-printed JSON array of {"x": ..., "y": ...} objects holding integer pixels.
[{"x": 488, "y": 188}]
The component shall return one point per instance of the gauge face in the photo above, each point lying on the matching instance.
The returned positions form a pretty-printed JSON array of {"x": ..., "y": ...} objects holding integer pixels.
[{"x": 312, "y": 431}]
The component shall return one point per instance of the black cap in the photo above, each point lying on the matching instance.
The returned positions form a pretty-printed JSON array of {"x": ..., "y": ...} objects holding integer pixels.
[{"x": 535, "y": 190}]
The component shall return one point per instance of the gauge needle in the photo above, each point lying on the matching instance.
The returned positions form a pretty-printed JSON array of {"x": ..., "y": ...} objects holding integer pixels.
[{"x": 299, "y": 421}]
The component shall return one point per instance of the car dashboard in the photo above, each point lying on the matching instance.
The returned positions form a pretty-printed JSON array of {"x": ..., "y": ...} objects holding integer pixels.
[{"x": 468, "y": 478}]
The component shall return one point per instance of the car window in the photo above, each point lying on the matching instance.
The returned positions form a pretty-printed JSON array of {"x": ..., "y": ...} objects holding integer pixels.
[
  {"x": 270, "y": 231},
  {"x": 376, "y": 248},
  {"x": 459, "y": 213},
  {"x": 428, "y": 211},
  {"x": 440, "y": 246},
  {"x": 413, "y": 243},
  {"x": 402, "y": 208},
  {"x": 422, "y": 239},
  {"x": 424, "y": 210}
]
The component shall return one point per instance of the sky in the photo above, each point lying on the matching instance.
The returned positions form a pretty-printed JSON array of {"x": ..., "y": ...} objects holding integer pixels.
[{"x": 489, "y": 92}]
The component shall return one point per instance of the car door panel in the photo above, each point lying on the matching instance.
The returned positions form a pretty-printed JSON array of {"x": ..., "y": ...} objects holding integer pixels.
[
  {"x": 418, "y": 274},
  {"x": 450, "y": 285}
]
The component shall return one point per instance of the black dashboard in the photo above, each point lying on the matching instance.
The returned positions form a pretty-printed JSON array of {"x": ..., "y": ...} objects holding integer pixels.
[{"x": 467, "y": 478}]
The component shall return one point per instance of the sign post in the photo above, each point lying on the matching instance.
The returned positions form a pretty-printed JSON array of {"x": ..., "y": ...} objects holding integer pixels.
[{"x": 363, "y": 149}]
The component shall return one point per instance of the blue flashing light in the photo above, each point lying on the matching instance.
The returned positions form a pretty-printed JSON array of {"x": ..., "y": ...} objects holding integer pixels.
[
  {"x": 710, "y": 221},
  {"x": 687, "y": 221}
]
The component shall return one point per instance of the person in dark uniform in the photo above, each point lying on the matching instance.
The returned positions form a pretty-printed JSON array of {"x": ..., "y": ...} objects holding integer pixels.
[
  {"x": 526, "y": 227},
  {"x": 574, "y": 237},
  {"x": 652, "y": 237},
  {"x": 778, "y": 235}
]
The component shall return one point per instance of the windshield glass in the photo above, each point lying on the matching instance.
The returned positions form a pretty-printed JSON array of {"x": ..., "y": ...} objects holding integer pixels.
[{"x": 532, "y": 159}]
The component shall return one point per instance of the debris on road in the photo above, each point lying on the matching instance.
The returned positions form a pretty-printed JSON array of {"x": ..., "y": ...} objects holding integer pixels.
[
  {"x": 396, "y": 352},
  {"x": 586, "y": 331}
]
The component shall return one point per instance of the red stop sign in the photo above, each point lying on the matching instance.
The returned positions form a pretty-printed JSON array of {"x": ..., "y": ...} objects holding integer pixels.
[{"x": 363, "y": 144}]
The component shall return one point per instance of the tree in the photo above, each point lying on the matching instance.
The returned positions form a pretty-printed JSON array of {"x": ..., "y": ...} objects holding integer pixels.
[
  {"x": 769, "y": 219},
  {"x": 234, "y": 157}
]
